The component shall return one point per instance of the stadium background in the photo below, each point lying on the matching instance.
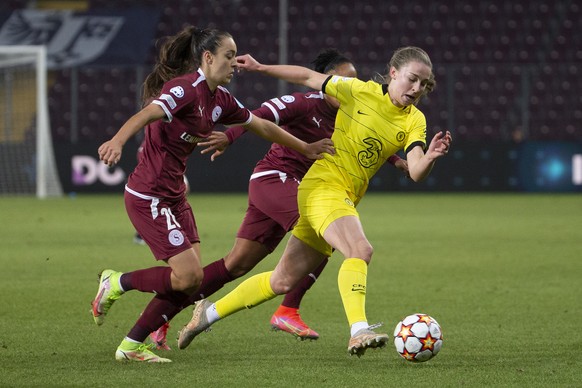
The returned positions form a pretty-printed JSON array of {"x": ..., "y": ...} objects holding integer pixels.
[{"x": 508, "y": 78}]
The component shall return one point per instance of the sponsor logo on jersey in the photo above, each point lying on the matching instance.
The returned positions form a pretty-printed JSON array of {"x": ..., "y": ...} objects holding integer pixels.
[
  {"x": 189, "y": 138},
  {"x": 371, "y": 155},
  {"x": 349, "y": 202},
  {"x": 316, "y": 121},
  {"x": 175, "y": 237},
  {"x": 177, "y": 91}
]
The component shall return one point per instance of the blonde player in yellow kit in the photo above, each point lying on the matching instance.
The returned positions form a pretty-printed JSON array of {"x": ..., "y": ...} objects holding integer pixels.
[{"x": 374, "y": 121}]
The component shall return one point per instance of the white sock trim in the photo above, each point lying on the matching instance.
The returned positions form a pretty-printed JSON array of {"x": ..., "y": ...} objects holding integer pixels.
[
  {"x": 211, "y": 313},
  {"x": 358, "y": 326}
]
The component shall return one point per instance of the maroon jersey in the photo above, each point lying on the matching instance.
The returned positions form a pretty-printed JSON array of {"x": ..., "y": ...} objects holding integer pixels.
[
  {"x": 192, "y": 111},
  {"x": 306, "y": 116}
]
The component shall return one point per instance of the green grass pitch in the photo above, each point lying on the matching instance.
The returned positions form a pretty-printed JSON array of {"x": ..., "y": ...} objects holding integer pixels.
[{"x": 502, "y": 273}]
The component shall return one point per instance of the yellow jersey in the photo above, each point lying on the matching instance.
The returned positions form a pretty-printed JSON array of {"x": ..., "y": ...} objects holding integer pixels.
[{"x": 368, "y": 129}]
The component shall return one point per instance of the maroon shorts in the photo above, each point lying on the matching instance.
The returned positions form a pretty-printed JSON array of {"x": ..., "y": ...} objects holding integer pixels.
[
  {"x": 272, "y": 210},
  {"x": 168, "y": 227}
]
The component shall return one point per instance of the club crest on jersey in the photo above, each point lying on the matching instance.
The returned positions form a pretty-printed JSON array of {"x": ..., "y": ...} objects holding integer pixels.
[
  {"x": 400, "y": 136},
  {"x": 216, "y": 112},
  {"x": 177, "y": 91}
]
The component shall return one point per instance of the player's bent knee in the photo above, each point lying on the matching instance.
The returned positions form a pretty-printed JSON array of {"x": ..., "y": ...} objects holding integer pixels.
[
  {"x": 369, "y": 253},
  {"x": 190, "y": 280},
  {"x": 366, "y": 251},
  {"x": 361, "y": 249},
  {"x": 281, "y": 286}
]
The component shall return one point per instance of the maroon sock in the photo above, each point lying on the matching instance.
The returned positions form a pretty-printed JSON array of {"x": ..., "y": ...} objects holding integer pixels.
[
  {"x": 293, "y": 298},
  {"x": 215, "y": 277},
  {"x": 160, "y": 310},
  {"x": 155, "y": 279}
]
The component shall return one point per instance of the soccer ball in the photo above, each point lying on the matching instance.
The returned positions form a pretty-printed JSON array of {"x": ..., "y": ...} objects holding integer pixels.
[{"x": 418, "y": 337}]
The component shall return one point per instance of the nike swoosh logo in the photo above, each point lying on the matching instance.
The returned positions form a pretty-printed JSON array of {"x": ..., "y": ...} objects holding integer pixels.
[{"x": 362, "y": 113}]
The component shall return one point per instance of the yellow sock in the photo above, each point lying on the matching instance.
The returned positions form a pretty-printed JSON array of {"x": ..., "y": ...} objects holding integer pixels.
[
  {"x": 352, "y": 286},
  {"x": 250, "y": 293}
]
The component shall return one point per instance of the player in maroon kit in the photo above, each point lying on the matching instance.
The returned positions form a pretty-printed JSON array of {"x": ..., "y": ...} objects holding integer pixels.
[
  {"x": 187, "y": 100},
  {"x": 272, "y": 205}
]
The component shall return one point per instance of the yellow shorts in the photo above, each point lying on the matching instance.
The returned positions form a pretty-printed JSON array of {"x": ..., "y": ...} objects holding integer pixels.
[{"x": 319, "y": 206}]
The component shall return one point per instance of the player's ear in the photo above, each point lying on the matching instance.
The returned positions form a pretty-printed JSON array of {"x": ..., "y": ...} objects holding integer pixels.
[
  {"x": 393, "y": 72},
  {"x": 208, "y": 57}
]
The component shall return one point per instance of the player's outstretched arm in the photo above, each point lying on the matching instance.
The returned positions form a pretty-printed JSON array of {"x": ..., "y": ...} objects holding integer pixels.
[
  {"x": 276, "y": 134},
  {"x": 110, "y": 151},
  {"x": 294, "y": 74}
]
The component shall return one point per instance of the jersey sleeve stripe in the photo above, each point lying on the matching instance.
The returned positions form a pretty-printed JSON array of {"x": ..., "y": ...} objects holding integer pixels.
[
  {"x": 274, "y": 111},
  {"x": 169, "y": 116},
  {"x": 416, "y": 143},
  {"x": 169, "y": 99},
  {"x": 325, "y": 83}
]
